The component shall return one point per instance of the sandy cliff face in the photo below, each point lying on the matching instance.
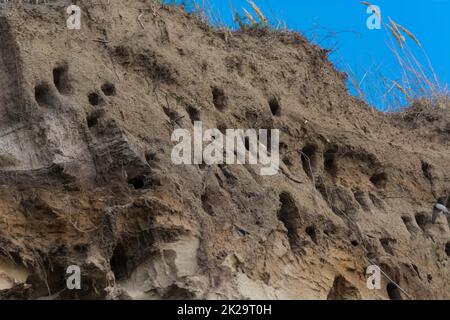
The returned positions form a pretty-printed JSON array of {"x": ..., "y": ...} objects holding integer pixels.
[{"x": 86, "y": 176}]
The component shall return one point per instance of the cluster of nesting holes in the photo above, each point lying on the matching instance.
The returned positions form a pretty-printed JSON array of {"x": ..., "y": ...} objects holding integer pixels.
[
  {"x": 219, "y": 98},
  {"x": 288, "y": 214}
]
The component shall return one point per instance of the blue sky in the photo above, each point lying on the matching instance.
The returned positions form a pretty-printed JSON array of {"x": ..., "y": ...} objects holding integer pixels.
[{"x": 341, "y": 25}]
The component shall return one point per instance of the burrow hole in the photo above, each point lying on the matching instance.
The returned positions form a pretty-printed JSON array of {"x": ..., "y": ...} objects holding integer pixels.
[
  {"x": 329, "y": 160},
  {"x": 108, "y": 89},
  {"x": 43, "y": 95},
  {"x": 151, "y": 156},
  {"x": 61, "y": 79},
  {"x": 193, "y": 113},
  {"x": 119, "y": 262},
  {"x": 426, "y": 169},
  {"x": 447, "y": 249},
  {"x": 309, "y": 159},
  {"x": 312, "y": 233},
  {"x": 274, "y": 105},
  {"x": 219, "y": 98},
  {"x": 172, "y": 114},
  {"x": 207, "y": 207},
  {"x": 416, "y": 270},
  {"x": 288, "y": 214},
  {"x": 379, "y": 180},
  {"x": 343, "y": 290},
  {"x": 93, "y": 118},
  {"x": 393, "y": 292},
  {"x": 421, "y": 220},
  {"x": 138, "y": 182},
  {"x": 95, "y": 99}
]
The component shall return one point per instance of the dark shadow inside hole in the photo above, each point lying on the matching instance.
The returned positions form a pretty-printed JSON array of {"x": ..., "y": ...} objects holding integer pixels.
[
  {"x": 288, "y": 214},
  {"x": 43, "y": 95},
  {"x": 61, "y": 79},
  {"x": 219, "y": 98},
  {"x": 172, "y": 114},
  {"x": 329, "y": 160},
  {"x": 109, "y": 89},
  {"x": 207, "y": 207},
  {"x": 447, "y": 249},
  {"x": 421, "y": 220},
  {"x": 416, "y": 270},
  {"x": 92, "y": 120},
  {"x": 138, "y": 182},
  {"x": 343, "y": 290},
  {"x": 119, "y": 262},
  {"x": 151, "y": 156},
  {"x": 309, "y": 159},
  {"x": 193, "y": 113},
  {"x": 94, "y": 99},
  {"x": 426, "y": 169},
  {"x": 379, "y": 180},
  {"x": 174, "y": 292},
  {"x": 393, "y": 292},
  {"x": 311, "y": 232},
  {"x": 275, "y": 106}
]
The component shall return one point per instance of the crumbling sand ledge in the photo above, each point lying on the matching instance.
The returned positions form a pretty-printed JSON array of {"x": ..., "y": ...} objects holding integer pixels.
[{"x": 86, "y": 176}]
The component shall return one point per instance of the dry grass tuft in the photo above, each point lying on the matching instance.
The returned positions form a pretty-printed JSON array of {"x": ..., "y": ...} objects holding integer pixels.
[
  {"x": 250, "y": 23},
  {"x": 416, "y": 78},
  {"x": 261, "y": 16},
  {"x": 410, "y": 34}
]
